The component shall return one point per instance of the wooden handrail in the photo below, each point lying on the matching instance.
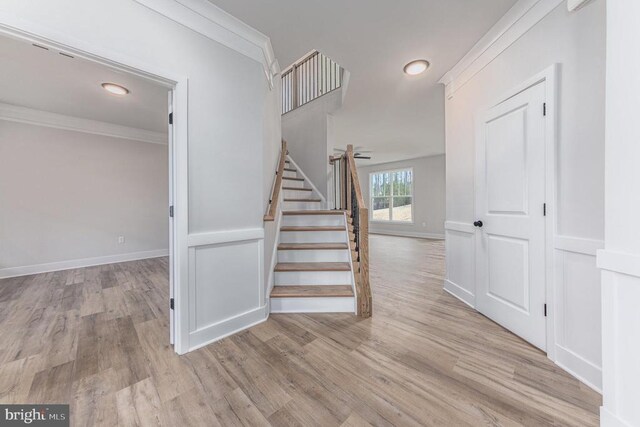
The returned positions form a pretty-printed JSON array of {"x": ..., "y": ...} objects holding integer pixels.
[
  {"x": 277, "y": 186},
  {"x": 351, "y": 194}
]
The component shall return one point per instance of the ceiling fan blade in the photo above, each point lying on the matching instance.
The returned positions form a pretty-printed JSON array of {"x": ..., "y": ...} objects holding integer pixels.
[{"x": 362, "y": 157}]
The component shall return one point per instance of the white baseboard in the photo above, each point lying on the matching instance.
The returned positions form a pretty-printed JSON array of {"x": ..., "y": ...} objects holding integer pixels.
[
  {"x": 227, "y": 327},
  {"x": 462, "y": 294},
  {"x": 79, "y": 263},
  {"x": 580, "y": 368},
  {"x": 609, "y": 419},
  {"x": 408, "y": 234}
]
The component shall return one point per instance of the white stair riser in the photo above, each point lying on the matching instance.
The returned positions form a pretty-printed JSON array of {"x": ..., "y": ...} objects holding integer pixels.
[
  {"x": 294, "y": 278},
  {"x": 290, "y": 174},
  {"x": 313, "y": 305},
  {"x": 314, "y": 256},
  {"x": 313, "y": 236},
  {"x": 301, "y": 206},
  {"x": 298, "y": 194},
  {"x": 292, "y": 183},
  {"x": 313, "y": 220}
]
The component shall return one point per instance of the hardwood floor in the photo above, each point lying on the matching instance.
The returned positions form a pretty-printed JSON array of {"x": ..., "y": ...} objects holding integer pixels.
[{"x": 97, "y": 338}]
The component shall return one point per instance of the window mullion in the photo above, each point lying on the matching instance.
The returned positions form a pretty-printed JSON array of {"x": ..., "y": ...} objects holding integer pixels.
[{"x": 391, "y": 197}]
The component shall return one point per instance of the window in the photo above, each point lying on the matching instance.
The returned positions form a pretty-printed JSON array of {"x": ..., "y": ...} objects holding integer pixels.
[{"x": 392, "y": 195}]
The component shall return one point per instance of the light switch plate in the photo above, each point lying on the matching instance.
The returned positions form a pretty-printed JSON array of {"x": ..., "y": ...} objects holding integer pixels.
[{"x": 575, "y": 4}]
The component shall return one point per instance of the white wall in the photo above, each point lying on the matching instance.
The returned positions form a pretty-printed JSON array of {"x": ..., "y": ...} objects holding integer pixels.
[
  {"x": 271, "y": 157},
  {"x": 428, "y": 197},
  {"x": 620, "y": 260},
  {"x": 308, "y": 131},
  {"x": 67, "y": 196},
  {"x": 226, "y": 115},
  {"x": 576, "y": 41}
]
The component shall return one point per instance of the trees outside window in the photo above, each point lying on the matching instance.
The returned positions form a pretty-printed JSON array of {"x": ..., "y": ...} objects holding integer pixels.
[{"x": 392, "y": 195}]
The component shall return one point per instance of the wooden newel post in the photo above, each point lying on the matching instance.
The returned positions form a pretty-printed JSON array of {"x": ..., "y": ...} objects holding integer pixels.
[{"x": 365, "y": 306}]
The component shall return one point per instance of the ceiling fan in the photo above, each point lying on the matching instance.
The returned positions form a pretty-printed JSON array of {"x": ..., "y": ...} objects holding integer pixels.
[{"x": 357, "y": 152}]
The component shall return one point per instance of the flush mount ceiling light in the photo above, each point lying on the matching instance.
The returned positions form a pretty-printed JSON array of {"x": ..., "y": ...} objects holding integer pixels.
[
  {"x": 416, "y": 67},
  {"x": 115, "y": 89}
]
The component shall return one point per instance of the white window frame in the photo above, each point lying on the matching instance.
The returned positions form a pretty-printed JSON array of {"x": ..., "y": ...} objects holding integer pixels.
[{"x": 371, "y": 197}]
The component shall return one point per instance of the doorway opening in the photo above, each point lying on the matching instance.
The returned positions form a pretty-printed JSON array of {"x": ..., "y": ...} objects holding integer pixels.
[{"x": 88, "y": 182}]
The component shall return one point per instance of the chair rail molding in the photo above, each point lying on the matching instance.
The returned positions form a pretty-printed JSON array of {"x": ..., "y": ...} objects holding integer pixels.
[
  {"x": 14, "y": 113},
  {"x": 523, "y": 16},
  {"x": 214, "y": 23},
  {"x": 619, "y": 262}
]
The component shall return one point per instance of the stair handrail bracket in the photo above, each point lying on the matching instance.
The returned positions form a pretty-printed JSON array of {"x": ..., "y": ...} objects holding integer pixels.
[
  {"x": 348, "y": 197},
  {"x": 272, "y": 208}
]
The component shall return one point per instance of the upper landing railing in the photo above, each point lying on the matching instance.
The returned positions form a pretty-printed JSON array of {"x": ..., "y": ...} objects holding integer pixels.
[{"x": 310, "y": 78}]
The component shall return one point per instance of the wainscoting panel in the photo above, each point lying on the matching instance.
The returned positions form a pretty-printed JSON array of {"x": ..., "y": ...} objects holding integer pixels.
[
  {"x": 460, "y": 259},
  {"x": 225, "y": 284},
  {"x": 578, "y": 309}
]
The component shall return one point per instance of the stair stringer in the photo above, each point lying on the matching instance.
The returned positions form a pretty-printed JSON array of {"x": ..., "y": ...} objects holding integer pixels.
[{"x": 313, "y": 187}]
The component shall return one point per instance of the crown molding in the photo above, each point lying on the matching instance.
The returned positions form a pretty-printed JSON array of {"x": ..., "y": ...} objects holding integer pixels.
[
  {"x": 214, "y": 23},
  {"x": 573, "y": 5},
  {"x": 14, "y": 113},
  {"x": 523, "y": 16}
]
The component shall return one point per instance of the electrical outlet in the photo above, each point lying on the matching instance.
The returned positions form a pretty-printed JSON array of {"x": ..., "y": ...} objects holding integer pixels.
[{"x": 120, "y": 240}]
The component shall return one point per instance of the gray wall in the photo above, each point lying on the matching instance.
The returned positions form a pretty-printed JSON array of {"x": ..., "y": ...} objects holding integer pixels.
[
  {"x": 67, "y": 195},
  {"x": 428, "y": 197}
]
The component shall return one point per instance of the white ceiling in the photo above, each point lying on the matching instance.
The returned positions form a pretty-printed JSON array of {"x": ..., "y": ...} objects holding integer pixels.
[
  {"x": 395, "y": 115},
  {"x": 45, "y": 80}
]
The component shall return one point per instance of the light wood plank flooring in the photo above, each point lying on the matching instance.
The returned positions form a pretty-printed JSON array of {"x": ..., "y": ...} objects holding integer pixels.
[{"x": 97, "y": 338}]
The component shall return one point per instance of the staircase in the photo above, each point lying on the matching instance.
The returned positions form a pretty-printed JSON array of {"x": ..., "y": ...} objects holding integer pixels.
[
  {"x": 321, "y": 264},
  {"x": 313, "y": 272}
]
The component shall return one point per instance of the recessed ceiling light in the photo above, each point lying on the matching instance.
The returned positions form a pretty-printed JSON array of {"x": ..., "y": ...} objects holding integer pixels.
[
  {"x": 115, "y": 89},
  {"x": 416, "y": 67}
]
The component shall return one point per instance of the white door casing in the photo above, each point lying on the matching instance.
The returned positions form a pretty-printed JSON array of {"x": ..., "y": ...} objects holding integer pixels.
[{"x": 510, "y": 197}]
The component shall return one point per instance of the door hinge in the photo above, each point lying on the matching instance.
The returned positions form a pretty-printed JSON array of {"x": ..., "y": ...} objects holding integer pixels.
[
  {"x": 171, "y": 303},
  {"x": 170, "y": 118},
  {"x": 170, "y": 211},
  {"x": 545, "y": 310},
  {"x": 544, "y": 109},
  {"x": 544, "y": 209}
]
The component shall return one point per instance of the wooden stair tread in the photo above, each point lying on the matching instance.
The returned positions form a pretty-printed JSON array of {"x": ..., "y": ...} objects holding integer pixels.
[
  {"x": 313, "y": 212},
  {"x": 301, "y": 200},
  {"x": 293, "y": 179},
  {"x": 312, "y": 266},
  {"x": 297, "y": 188},
  {"x": 312, "y": 246},
  {"x": 311, "y": 228},
  {"x": 311, "y": 291}
]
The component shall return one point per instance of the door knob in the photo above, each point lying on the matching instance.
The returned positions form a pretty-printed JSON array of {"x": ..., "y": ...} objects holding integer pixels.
[{"x": 478, "y": 224}]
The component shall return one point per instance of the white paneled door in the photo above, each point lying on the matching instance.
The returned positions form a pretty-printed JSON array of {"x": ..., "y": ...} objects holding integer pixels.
[{"x": 510, "y": 197}]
